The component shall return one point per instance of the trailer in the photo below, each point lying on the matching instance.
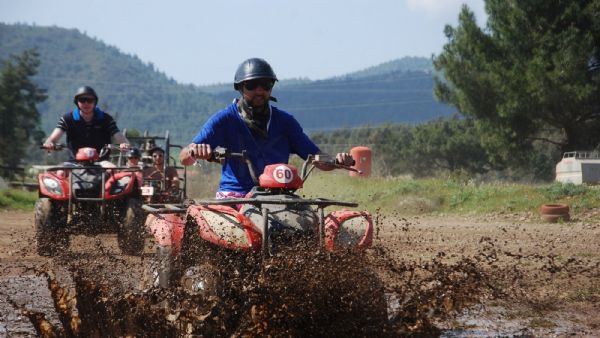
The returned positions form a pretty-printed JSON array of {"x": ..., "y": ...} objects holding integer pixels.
[{"x": 579, "y": 167}]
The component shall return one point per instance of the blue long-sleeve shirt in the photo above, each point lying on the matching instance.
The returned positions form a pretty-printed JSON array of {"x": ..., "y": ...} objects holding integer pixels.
[{"x": 227, "y": 129}]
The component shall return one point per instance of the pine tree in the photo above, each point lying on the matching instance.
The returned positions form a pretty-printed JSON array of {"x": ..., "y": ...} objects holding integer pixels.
[{"x": 18, "y": 112}]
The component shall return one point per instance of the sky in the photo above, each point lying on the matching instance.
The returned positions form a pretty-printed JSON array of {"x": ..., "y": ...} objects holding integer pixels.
[{"x": 203, "y": 41}]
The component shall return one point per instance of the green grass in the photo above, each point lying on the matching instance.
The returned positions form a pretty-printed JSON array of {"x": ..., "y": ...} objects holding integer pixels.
[
  {"x": 422, "y": 196},
  {"x": 17, "y": 199},
  {"x": 447, "y": 195}
]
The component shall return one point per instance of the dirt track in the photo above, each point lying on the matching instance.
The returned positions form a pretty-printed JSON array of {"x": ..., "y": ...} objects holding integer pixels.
[{"x": 542, "y": 279}]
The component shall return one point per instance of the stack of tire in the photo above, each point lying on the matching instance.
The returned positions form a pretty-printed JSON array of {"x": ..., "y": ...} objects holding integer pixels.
[{"x": 555, "y": 212}]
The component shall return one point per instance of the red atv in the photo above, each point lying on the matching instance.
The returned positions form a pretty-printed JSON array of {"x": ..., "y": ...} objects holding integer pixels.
[
  {"x": 88, "y": 196},
  {"x": 271, "y": 216},
  {"x": 157, "y": 190}
]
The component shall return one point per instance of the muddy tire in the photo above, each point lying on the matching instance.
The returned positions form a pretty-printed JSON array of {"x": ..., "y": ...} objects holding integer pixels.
[
  {"x": 158, "y": 271},
  {"x": 555, "y": 212},
  {"x": 50, "y": 228},
  {"x": 198, "y": 275},
  {"x": 130, "y": 236},
  {"x": 203, "y": 279}
]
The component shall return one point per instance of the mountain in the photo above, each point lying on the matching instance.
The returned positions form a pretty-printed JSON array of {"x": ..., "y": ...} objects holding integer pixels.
[
  {"x": 141, "y": 97},
  {"x": 133, "y": 92}
]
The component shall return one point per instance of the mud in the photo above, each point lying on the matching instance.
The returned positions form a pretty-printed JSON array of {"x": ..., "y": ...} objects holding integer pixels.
[{"x": 451, "y": 277}]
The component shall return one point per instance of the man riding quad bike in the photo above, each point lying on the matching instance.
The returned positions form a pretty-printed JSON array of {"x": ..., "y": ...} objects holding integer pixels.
[
  {"x": 227, "y": 245},
  {"x": 88, "y": 195}
]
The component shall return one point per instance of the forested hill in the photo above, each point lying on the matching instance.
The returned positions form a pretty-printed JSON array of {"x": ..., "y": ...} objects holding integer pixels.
[
  {"x": 136, "y": 93},
  {"x": 141, "y": 97}
]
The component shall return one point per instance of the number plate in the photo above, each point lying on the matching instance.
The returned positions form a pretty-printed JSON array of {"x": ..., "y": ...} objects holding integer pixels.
[{"x": 147, "y": 191}]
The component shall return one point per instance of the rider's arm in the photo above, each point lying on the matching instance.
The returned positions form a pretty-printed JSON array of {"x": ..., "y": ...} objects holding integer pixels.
[
  {"x": 57, "y": 133},
  {"x": 121, "y": 140}
]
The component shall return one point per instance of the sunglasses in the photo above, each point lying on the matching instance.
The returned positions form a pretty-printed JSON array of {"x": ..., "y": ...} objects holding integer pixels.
[
  {"x": 253, "y": 84},
  {"x": 86, "y": 99}
]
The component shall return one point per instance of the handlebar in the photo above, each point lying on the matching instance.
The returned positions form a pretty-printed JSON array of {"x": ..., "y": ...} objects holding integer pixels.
[
  {"x": 323, "y": 160},
  {"x": 56, "y": 147}
]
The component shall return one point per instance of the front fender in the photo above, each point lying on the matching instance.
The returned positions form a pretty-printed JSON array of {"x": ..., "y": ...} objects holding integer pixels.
[
  {"x": 110, "y": 187},
  {"x": 225, "y": 227}
]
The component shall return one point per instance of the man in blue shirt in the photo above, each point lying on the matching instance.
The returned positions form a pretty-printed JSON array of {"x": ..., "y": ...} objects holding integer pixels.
[{"x": 267, "y": 133}]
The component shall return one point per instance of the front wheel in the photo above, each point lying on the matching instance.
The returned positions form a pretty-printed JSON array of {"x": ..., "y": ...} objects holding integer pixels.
[
  {"x": 131, "y": 231},
  {"x": 159, "y": 270},
  {"x": 50, "y": 228}
]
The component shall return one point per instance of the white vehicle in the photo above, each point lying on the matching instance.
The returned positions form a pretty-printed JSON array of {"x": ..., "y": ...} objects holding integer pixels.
[{"x": 579, "y": 167}]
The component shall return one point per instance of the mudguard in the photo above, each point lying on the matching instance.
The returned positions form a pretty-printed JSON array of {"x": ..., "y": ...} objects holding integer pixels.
[
  {"x": 226, "y": 227},
  {"x": 58, "y": 189},
  {"x": 167, "y": 230},
  {"x": 113, "y": 182},
  {"x": 348, "y": 228}
]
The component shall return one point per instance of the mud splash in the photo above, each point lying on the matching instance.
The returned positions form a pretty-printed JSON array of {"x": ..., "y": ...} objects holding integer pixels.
[{"x": 304, "y": 293}]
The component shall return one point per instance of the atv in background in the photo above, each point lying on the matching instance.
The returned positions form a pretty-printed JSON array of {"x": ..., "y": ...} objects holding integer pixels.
[
  {"x": 164, "y": 228},
  {"x": 158, "y": 190},
  {"x": 88, "y": 196}
]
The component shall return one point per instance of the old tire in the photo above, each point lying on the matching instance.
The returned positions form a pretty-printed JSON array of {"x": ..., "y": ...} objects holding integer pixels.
[
  {"x": 50, "y": 228},
  {"x": 130, "y": 236},
  {"x": 555, "y": 212},
  {"x": 554, "y": 209}
]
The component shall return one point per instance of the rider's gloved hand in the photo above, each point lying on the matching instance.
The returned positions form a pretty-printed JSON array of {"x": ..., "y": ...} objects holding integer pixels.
[
  {"x": 199, "y": 151},
  {"x": 344, "y": 159}
]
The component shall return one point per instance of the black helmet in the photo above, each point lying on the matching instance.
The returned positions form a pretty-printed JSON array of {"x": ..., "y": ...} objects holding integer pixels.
[
  {"x": 254, "y": 68},
  {"x": 134, "y": 152},
  {"x": 85, "y": 90}
]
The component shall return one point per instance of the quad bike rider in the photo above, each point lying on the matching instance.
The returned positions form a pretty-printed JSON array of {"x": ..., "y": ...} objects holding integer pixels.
[
  {"x": 84, "y": 194},
  {"x": 88, "y": 196},
  {"x": 160, "y": 179}
]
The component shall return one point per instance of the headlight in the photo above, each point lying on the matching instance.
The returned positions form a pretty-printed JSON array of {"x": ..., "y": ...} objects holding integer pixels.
[
  {"x": 52, "y": 186},
  {"x": 120, "y": 185}
]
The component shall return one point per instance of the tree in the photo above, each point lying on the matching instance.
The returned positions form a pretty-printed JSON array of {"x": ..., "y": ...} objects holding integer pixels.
[
  {"x": 446, "y": 145},
  {"x": 526, "y": 76},
  {"x": 18, "y": 99}
]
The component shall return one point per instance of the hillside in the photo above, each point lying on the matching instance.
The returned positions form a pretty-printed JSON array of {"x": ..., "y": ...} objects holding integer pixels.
[
  {"x": 139, "y": 96},
  {"x": 134, "y": 92}
]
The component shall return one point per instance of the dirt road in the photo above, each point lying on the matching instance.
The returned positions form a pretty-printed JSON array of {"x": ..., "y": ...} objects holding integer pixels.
[{"x": 532, "y": 278}]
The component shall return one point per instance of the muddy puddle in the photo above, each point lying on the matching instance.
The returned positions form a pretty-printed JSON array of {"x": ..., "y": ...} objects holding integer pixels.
[
  {"x": 385, "y": 291},
  {"x": 307, "y": 295}
]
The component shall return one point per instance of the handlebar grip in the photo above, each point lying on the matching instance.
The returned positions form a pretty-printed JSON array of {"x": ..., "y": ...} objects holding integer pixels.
[
  {"x": 57, "y": 146},
  {"x": 338, "y": 163}
]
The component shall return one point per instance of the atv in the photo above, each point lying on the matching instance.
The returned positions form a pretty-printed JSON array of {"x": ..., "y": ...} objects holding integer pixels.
[
  {"x": 89, "y": 196},
  {"x": 271, "y": 215},
  {"x": 156, "y": 190},
  {"x": 274, "y": 247}
]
